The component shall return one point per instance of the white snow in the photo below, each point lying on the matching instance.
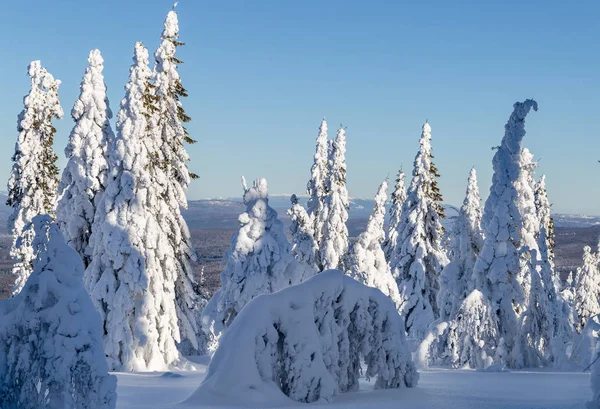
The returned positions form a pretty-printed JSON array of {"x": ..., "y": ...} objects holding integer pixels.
[{"x": 437, "y": 389}]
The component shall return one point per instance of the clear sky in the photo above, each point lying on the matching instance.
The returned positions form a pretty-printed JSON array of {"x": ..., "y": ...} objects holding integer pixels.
[{"x": 261, "y": 75}]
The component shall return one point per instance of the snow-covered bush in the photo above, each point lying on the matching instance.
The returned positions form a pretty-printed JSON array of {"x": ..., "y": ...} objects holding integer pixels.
[
  {"x": 366, "y": 260},
  {"x": 304, "y": 245},
  {"x": 51, "y": 353},
  {"x": 259, "y": 261},
  {"x": 507, "y": 227},
  {"x": 419, "y": 258},
  {"x": 334, "y": 241},
  {"x": 469, "y": 339},
  {"x": 86, "y": 175},
  {"x": 456, "y": 280},
  {"x": 308, "y": 342},
  {"x": 33, "y": 181}
]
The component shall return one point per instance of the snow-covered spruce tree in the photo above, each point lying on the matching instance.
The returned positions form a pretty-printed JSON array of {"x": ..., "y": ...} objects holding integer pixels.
[
  {"x": 129, "y": 279},
  {"x": 398, "y": 198},
  {"x": 456, "y": 280},
  {"x": 334, "y": 241},
  {"x": 595, "y": 379},
  {"x": 33, "y": 180},
  {"x": 50, "y": 335},
  {"x": 419, "y": 257},
  {"x": 86, "y": 175},
  {"x": 366, "y": 261},
  {"x": 587, "y": 292},
  {"x": 500, "y": 261},
  {"x": 171, "y": 173},
  {"x": 304, "y": 246},
  {"x": 317, "y": 187},
  {"x": 259, "y": 261},
  {"x": 310, "y": 342}
]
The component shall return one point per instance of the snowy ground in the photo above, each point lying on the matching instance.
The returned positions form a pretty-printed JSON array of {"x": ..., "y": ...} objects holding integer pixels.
[{"x": 438, "y": 389}]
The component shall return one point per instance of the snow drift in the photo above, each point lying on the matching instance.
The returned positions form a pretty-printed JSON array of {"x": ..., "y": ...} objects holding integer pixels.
[{"x": 307, "y": 342}]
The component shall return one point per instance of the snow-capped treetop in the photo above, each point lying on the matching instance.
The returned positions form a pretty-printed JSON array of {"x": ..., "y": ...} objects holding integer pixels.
[
  {"x": 471, "y": 207},
  {"x": 85, "y": 176},
  {"x": 398, "y": 198},
  {"x": 334, "y": 242},
  {"x": 170, "y": 117},
  {"x": 316, "y": 188},
  {"x": 50, "y": 334},
  {"x": 499, "y": 264},
  {"x": 32, "y": 185},
  {"x": 376, "y": 220}
]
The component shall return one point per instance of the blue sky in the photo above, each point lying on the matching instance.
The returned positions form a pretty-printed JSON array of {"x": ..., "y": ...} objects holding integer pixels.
[{"x": 262, "y": 74}]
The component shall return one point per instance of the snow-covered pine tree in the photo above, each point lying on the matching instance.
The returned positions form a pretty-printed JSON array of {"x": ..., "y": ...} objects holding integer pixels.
[
  {"x": 334, "y": 241},
  {"x": 500, "y": 261},
  {"x": 33, "y": 181},
  {"x": 304, "y": 246},
  {"x": 456, "y": 280},
  {"x": 317, "y": 188},
  {"x": 86, "y": 175},
  {"x": 129, "y": 279},
  {"x": 50, "y": 335},
  {"x": 398, "y": 198},
  {"x": 419, "y": 257},
  {"x": 366, "y": 261},
  {"x": 171, "y": 173},
  {"x": 587, "y": 291},
  {"x": 259, "y": 261}
]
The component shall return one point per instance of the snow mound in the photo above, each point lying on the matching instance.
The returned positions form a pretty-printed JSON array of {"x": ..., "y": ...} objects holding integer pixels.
[
  {"x": 306, "y": 342},
  {"x": 51, "y": 336}
]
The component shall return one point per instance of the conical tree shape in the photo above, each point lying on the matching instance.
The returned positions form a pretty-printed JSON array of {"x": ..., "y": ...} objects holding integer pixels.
[
  {"x": 456, "y": 280},
  {"x": 366, "y": 260},
  {"x": 171, "y": 173},
  {"x": 317, "y": 189},
  {"x": 334, "y": 242},
  {"x": 86, "y": 175},
  {"x": 398, "y": 198},
  {"x": 33, "y": 180},
  {"x": 419, "y": 257},
  {"x": 130, "y": 280}
]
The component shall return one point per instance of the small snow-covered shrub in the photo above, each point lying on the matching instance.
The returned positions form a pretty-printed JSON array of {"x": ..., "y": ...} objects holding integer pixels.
[
  {"x": 51, "y": 353},
  {"x": 308, "y": 342},
  {"x": 467, "y": 340}
]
